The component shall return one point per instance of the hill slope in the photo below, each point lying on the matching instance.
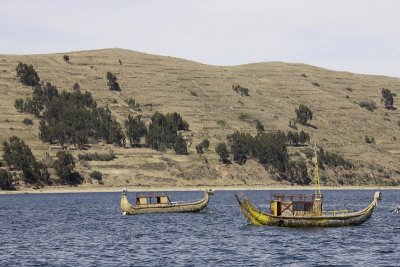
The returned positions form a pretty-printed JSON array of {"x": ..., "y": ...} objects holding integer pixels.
[{"x": 203, "y": 95}]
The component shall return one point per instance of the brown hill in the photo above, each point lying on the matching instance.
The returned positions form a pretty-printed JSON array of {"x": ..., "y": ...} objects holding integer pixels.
[{"x": 203, "y": 95}]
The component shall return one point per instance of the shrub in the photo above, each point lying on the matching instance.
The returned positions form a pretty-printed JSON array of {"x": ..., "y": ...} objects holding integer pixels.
[
  {"x": 222, "y": 151},
  {"x": 27, "y": 121},
  {"x": 66, "y": 58},
  {"x": 241, "y": 146},
  {"x": 316, "y": 84},
  {"x": 205, "y": 144},
  {"x": 333, "y": 159},
  {"x": 297, "y": 173},
  {"x": 19, "y": 104},
  {"x": 5, "y": 180},
  {"x": 243, "y": 91},
  {"x": 27, "y": 74},
  {"x": 133, "y": 105},
  {"x": 112, "y": 82},
  {"x": 387, "y": 98},
  {"x": 369, "y": 139},
  {"x": 369, "y": 105},
  {"x": 349, "y": 89},
  {"x": 64, "y": 167},
  {"x": 304, "y": 114},
  {"x": 199, "y": 149},
  {"x": 96, "y": 175}
]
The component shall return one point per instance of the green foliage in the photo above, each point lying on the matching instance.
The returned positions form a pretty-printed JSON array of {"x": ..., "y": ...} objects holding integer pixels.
[
  {"x": 297, "y": 173},
  {"x": 5, "y": 180},
  {"x": 98, "y": 157},
  {"x": 66, "y": 58},
  {"x": 243, "y": 91},
  {"x": 180, "y": 146},
  {"x": 27, "y": 74},
  {"x": 271, "y": 150},
  {"x": 296, "y": 138},
  {"x": 223, "y": 153},
  {"x": 112, "y": 82},
  {"x": 259, "y": 127},
  {"x": 244, "y": 116},
  {"x": 369, "y": 139},
  {"x": 316, "y": 84},
  {"x": 369, "y": 105},
  {"x": 162, "y": 131},
  {"x": 387, "y": 98},
  {"x": 241, "y": 146},
  {"x": 19, "y": 156},
  {"x": 135, "y": 129},
  {"x": 64, "y": 167},
  {"x": 19, "y": 104},
  {"x": 333, "y": 159},
  {"x": 304, "y": 114},
  {"x": 96, "y": 175}
]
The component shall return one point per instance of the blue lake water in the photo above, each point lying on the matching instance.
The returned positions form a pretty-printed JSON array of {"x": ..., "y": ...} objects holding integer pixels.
[{"x": 87, "y": 229}]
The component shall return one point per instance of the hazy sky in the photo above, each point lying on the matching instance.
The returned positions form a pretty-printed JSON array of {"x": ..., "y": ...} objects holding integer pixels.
[{"x": 357, "y": 36}]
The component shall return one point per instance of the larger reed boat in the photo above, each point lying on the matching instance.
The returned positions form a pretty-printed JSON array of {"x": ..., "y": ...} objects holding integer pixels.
[
  {"x": 152, "y": 202},
  {"x": 301, "y": 210}
]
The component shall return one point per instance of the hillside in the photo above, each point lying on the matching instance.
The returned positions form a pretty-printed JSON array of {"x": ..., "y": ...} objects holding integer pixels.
[{"x": 203, "y": 95}]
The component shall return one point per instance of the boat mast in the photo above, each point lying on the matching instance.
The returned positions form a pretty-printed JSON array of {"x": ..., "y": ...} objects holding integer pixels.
[{"x": 316, "y": 172}]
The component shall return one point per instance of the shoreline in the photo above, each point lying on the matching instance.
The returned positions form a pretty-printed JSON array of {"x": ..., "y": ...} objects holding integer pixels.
[{"x": 67, "y": 190}]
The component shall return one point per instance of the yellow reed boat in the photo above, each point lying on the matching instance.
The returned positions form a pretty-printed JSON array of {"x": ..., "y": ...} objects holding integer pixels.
[
  {"x": 302, "y": 210},
  {"x": 151, "y": 202}
]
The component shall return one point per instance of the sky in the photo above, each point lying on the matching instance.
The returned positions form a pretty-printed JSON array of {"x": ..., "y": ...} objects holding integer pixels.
[{"x": 355, "y": 36}]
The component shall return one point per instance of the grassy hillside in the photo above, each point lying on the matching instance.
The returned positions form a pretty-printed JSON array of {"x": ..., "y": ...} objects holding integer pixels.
[{"x": 203, "y": 95}]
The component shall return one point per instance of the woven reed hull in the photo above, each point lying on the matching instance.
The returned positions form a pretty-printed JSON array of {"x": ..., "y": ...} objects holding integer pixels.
[
  {"x": 257, "y": 217},
  {"x": 196, "y": 206}
]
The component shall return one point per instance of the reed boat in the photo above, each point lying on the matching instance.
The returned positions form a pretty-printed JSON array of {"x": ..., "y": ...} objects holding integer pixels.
[
  {"x": 302, "y": 210},
  {"x": 151, "y": 202}
]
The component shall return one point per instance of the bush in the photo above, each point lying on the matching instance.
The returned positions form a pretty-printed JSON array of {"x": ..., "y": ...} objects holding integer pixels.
[
  {"x": 304, "y": 114},
  {"x": 243, "y": 91},
  {"x": 5, "y": 180},
  {"x": 297, "y": 173},
  {"x": 27, "y": 121},
  {"x": 180, "y": 146},
  {"x": 316, "y": 84},
  {"x": 112, "y": 82},
  {"x": 205, "y": 144},
  {"x": 133, "y": 105},
  {"x": 223, "y": 153},
  {"x": 369, "y": 139},
  {"x": 259, "y": 127},
  {"x": 199, "y": 149},
  {"x": 27, "y": 74},
  {"x": 387, "y": 98},
  {"x": 241, "y": 146},
  {"x": 96, "y": 175},
  {"x": 369, "y": 105},
  {"x": 64, "y": 166},
  {"x": 333, "y": 159},
  {"x": 98, "y": 157},
  {"x": 66, "y": 58}
]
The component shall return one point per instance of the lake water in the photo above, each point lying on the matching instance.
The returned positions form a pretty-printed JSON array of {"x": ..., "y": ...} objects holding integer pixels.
[{"x": 87, "y": 229}]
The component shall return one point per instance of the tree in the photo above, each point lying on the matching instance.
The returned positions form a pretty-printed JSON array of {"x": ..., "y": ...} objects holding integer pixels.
[
  {"x": 303, "y": 114},
  {"x": 241, "y": 146},
  {"x": 112, "y": 82},
  {"x": 5, "y": 180},
  {"x": 180, "y": 147},
  {"x": 19, "y": 156},
  {"x": 135, "y": 129},
  {"x": 304, "y": 137},
  {"x": 27, "y": 74},
  {"x": 66, "y": 58},
  {"x": 19, "y": 104},
  {"x": 387, "y": 98},
  {"x": 64, "y": 166},
  {"x": 223, "y": 153}
]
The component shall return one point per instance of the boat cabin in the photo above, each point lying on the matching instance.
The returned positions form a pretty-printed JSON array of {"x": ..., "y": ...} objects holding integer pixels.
[
  {"x": 151, "y": 198},
  {"x": 296, "y": 204}
]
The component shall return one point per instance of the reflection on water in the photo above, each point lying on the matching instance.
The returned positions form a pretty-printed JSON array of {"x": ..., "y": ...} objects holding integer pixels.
[{"x": 87, "y": 229}]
